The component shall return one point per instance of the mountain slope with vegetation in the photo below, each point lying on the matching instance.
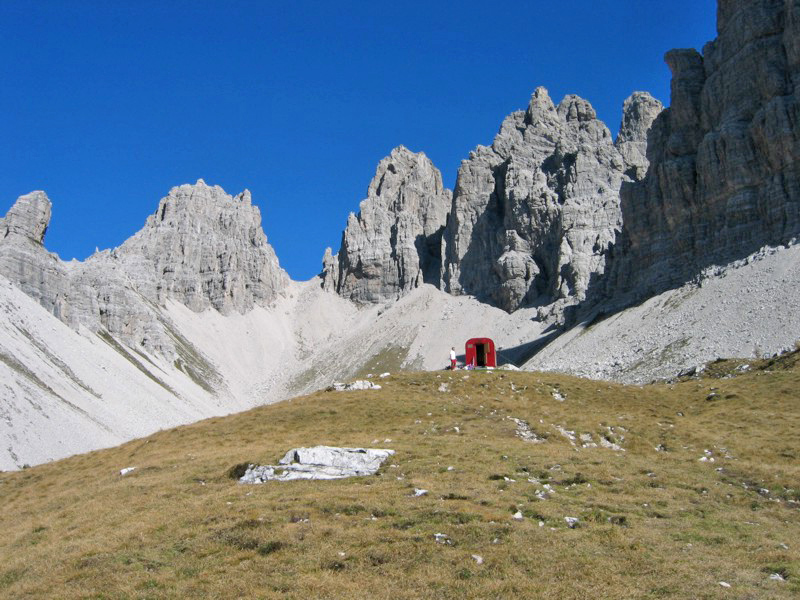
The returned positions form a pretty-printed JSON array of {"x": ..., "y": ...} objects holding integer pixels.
[{"x": 679, "y": 490}]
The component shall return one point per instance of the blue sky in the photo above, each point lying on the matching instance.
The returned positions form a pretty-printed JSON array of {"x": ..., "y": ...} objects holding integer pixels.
[{"x": 107, "y": 105}]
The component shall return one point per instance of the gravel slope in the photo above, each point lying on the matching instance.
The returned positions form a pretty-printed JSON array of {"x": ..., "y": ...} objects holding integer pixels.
[
  {"x": 63, "y": 391},
  {"x": 746, "y": 309}
]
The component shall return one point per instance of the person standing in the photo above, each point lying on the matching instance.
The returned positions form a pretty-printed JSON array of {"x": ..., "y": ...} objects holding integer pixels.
[{"x": 453, "y": 358}]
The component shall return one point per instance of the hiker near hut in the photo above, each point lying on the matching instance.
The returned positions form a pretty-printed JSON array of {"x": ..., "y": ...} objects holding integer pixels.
[{"x": 453, "y": 358}]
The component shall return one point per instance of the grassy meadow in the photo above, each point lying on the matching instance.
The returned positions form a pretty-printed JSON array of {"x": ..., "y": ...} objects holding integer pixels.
[{"x": 654, "y": 520}]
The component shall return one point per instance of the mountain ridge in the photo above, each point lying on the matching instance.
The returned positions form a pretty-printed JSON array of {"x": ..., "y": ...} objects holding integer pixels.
[{"x": 548, "y": 232}]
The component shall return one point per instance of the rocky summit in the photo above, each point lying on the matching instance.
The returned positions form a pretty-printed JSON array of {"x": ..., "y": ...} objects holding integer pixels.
[
  {"x": 629, "y": 259},
  {"x": 531, "y": 220},
  {"x": 202, "y": 248},
  {"x": 393, "y": 245},
  {"x": 556, "y": 213}
]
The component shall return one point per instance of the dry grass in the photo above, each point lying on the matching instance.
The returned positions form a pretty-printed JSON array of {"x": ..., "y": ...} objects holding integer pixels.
[{"x": 653, "y": 524}]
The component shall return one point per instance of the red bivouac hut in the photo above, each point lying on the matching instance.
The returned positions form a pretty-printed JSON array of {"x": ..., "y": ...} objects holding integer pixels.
[{"x": 480, "y": 352}]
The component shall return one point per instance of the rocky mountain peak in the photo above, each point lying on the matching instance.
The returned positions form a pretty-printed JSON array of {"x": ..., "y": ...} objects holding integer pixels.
[
  {"x": 540, "y": 108},
  {"x": 203, "y": 248},
  {"x": 639, "y": 111},
  {"x": 23, "y": 258},
  {"x": 534, "y": 215},
  {"x": 197, "y": 202},
  {"x": 575, "y": 108},
  {"x": 393, "y": 245},
  {"x": 29, "y": 217}
]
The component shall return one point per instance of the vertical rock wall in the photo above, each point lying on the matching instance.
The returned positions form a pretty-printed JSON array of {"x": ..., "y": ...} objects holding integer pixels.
[
  {"x": 535, "y": 214},
  {"x": 724, "y": 177}
]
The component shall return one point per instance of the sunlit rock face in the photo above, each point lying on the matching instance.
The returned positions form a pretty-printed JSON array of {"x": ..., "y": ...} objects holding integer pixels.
[
  {"x": 638, "y": 113},
  {"x": 393, "y": 245},
  {"x": 535, "y": 214},
  {"x": 23, "y": 258},
  {"x": 202, "y": 248}
]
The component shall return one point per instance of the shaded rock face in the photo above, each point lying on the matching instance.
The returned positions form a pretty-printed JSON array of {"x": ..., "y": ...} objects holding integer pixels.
[
  {"x": 724, "y": 176},
  {"x": 393, "y": 245},
  {"x": 202, "y": 248},
  {"x": 535, "y": 214}
]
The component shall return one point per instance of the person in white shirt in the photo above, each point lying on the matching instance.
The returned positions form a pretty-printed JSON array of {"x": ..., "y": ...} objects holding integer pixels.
[{"x": 453, "y": 358}]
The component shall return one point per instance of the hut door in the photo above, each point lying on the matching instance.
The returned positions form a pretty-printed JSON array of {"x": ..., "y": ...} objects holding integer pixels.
[{"x": 480, "y": 355}]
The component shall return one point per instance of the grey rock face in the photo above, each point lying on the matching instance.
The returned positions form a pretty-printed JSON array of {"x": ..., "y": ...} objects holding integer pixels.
[
  {"x": 724, "y": 175},
  {"x": 638, "y": 113},
  {"x": 202, "y": 248},
  {"x": 393, "y": 245},
  {"x": 28, "y": 218},
  {"x": 534, "y": 215},
  {"x": 23, "y": 258}
]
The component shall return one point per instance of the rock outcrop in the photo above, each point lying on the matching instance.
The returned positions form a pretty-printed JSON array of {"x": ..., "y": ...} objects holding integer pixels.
[
  {"x": 535, "y": 214},
  {"x": 724, "y": 176},
  {"x": 23, "y": 257},
  {"x": 638, "y": 113},
  {"x": 393, "y": 245},
  {"x": 28, "y": 218},
  {"x": 202, "y": 248},
  {"x": 319, "y": 462}
]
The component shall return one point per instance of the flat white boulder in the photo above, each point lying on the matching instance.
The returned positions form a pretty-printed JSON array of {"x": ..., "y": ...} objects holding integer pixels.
[
  {"x": 359, "y": 384},
  {"x": 319, "y": 462}
]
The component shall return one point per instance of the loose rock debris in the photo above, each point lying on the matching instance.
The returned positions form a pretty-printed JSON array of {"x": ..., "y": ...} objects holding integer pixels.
[
  {"x": 570, "y": 435},
  {"x": 442, "y": 538},
  {"x": 525, "y": 432},
  {"x": 611, "y": 440}
]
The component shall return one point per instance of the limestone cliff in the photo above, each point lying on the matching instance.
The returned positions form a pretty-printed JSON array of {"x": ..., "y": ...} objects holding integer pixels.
[
  {"x": 23, "y": 257},
  {"x": 202, "y": 248},
  {"x": 535, "y": 214},
  {"x": 638, "y": 113},
  {"x": 393, "y": 245},
  {"x": 724, "y": 176}
]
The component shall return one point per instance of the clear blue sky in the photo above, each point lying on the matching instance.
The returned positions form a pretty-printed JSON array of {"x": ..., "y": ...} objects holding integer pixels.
[{"x": 106, "y": 105}]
